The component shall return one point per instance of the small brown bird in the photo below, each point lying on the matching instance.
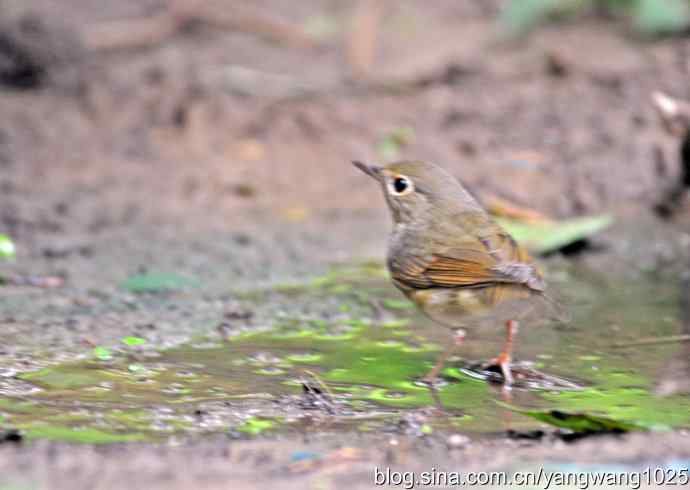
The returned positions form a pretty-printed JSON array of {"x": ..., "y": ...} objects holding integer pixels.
[{"x": 450, "y": 258}]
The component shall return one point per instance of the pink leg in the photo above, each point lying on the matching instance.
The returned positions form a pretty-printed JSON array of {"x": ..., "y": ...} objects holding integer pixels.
[
  {"x": 506, "y": 356},
  {"x": 458, "y": 339}
]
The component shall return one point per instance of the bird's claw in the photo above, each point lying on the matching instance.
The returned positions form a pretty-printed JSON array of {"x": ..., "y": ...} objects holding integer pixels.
[{"x": 503, "y": 363}]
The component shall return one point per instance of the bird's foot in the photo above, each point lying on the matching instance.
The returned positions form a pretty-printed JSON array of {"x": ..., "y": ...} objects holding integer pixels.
[
  {"x": 501, "y": 362},
  {"x": 504, "y": 358}
]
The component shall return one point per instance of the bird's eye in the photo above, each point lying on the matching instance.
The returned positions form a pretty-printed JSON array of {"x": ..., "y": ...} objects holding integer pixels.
[{"x": 400, "y": 185}]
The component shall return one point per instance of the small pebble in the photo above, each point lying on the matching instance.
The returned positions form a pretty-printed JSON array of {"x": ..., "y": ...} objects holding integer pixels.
[{"x": 457, "y": 441}]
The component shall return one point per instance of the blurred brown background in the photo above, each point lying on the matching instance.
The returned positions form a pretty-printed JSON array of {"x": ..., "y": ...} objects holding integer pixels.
[{"x": 202, "y": 113}]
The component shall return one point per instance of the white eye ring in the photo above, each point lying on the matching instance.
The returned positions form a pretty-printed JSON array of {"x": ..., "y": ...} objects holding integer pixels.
[{"x": 400, "y": 185}]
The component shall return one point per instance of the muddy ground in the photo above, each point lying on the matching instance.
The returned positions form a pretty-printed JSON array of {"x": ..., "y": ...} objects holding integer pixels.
[{"x": 222, "y": 158}]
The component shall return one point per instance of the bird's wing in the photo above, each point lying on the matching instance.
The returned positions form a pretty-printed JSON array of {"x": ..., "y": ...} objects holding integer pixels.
[{"x": 489, "y": 259}]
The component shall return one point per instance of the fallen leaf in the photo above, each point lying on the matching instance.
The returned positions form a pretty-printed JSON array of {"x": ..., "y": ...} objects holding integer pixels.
[
  {"x": 296, "y": 214},
  {"x": 389, "y": 147},
  {"x": 661, "y": 16},
  {"x": 519, "y": 16},
  {"x": 102, "y": 353},
  {"x": 7, "y": 248},
  {"x": 133, "y": 341},
  {"x": 582, "y": 423},
  {"x": 255, "y": 425},
  {"x": 148, "y": 283},
  {"x": 543, "y": 237},
  {"x": 250, "y": 150}
]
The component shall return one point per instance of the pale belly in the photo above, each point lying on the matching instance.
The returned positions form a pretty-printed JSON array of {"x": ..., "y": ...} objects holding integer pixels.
[{"x": 471, "y": 306}]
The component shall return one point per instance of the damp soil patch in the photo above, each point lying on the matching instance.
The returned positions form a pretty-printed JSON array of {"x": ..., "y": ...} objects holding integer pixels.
[{"x": 360, "y": 351}]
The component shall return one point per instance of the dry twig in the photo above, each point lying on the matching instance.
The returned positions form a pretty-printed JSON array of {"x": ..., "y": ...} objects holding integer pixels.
[
  {"x": 181, "y": 14},
  {"x": 363, "y": 35}
]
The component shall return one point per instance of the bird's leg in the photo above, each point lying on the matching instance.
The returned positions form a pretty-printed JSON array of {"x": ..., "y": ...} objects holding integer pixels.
[
  {"x": 506, "y": 356},
  {"x": 458, "y": 339}
]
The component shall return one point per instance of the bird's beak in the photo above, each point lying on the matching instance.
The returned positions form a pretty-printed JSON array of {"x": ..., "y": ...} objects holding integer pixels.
[{"x": 371, "y": 170}]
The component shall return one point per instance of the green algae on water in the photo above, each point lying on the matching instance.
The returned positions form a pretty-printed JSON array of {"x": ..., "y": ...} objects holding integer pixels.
[{"x": 371, "y": 361}]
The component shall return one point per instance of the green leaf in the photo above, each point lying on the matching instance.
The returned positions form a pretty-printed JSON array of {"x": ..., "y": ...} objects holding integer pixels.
[
  {"x": 132, "y": 341},
  {"x": 661, "y": 16},
  {"x": 403, "y": 135},
  {"x": 397, "y": 304},
  {"x": 583, "y": 423},
  {"x": 618, "y": 6},
  {"x": 550, "y": 236},
  {"x": 520, "y": 16},
  {"x": 389, "y": 147},
  {"x": 388, "y": 150},
  {"x": 155, "y": 282},
  {"x": 255, "y": 426},
  {"x": 102, "y": 353},
  {"x": 135, "y": 368},
  {"x": 7, "y": 248}
]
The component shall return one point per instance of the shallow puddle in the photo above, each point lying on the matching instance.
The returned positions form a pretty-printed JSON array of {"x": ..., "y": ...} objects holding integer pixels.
[{"x": 355, "y": 338}]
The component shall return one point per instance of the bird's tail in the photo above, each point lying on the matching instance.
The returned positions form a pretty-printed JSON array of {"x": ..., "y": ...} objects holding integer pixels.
[{"x": 557, "y": 312}]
